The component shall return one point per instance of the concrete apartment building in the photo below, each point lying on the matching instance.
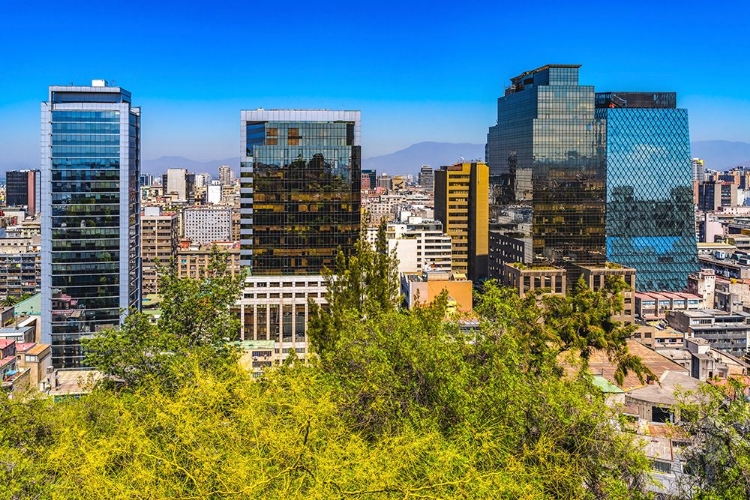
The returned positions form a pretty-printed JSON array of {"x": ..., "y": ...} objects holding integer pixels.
[
  {"x": 420, "y": 245},
  {"x": 193, "y": 259},
  {"x": 159, "y": 243},
  {"x": 208, "y": 224}
]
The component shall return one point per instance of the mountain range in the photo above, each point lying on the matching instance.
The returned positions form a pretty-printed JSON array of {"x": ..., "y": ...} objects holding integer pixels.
[{"x": 719, "y": 155}]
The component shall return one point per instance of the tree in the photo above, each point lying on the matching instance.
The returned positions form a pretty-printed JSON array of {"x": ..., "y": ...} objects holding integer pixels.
[
  {"x": 195, "y": 321},
  {"x": 717, "y": 419},
  {"x": 361, "y": 286}
]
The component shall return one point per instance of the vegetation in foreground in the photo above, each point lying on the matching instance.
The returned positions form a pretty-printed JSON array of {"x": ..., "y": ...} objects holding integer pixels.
[{"x": 396, "y": 404}]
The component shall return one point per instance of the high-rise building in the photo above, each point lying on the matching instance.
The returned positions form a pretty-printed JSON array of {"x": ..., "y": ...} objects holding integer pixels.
[
  {"x": 91, "y": 252},
  {"x": 650, "y": 211},
  {"x": 427, "y": 178},
  {"x": 180, "y": 184},
  {"x": 385, "y": 182},
  {"x": 300, "y": 204},
  {"x": 160, "y": 236},
  {"x": 373, "y": 179},
  {"x": 547, "y": 166},
  {"x": 226, "y": 175},
  {"x": 462, "y": 205},
  {"x": 300, "y": 189},
  {"x": 699, "y": 169},
  {"x": 21, "y": 189}
]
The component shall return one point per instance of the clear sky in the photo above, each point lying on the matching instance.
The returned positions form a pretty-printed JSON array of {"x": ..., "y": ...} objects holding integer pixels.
[{"x": 419, "y": 71}]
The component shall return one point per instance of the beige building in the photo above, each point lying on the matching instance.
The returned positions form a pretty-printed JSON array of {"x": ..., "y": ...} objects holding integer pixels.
[
  {"x": 159, "y": 242},
  {"x": 37, "y": 358},
  {"x": 596, "y": 278},
  {"x": 529, "y": 279},
  {"x": 193, "y": 259},
  {"x": 277, "y": 308}
]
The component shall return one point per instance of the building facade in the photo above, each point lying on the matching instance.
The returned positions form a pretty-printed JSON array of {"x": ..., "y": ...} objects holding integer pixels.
[
  {"x": 427, "y": 178},
  {"x": 91, "y": 252},
  {"x": 547, "y": 155},
  {"x": 226, "y": 175},
  {"x": 300, "y": 188},
  {"x": 160, "y": 237},
  {"x": 20, "y": 266},
  {"x": 650, "y": 211},
  {"x": 206, "y": 225},
  {"x": 462, "y": 205},
  {"x": 21, "y": 189}
]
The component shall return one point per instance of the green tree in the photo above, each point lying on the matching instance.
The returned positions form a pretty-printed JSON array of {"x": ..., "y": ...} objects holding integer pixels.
[
  {"x": 362, "y": 286},
  {"x": 717, "y": 419},
  {"x": 195, "y": 320}
]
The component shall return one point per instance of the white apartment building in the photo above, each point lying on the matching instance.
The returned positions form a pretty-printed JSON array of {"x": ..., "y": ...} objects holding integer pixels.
[
  {"x": 206, "y": 225},
  {"x": 420, "y": 245}
]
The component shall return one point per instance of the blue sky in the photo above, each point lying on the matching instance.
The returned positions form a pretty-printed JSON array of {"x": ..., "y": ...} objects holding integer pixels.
[{"x": 418, "y": 70}]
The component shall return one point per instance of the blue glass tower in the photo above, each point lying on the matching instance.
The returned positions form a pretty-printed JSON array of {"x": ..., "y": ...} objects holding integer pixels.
[
  {"x": 91, "y": 268},
  {"x": 650, "y": 222}
]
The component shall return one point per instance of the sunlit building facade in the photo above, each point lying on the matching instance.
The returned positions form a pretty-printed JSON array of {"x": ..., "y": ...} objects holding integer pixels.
[
  {"x": 91, "y": 267},
  {"x": 301, "y": 179},
  {"x": 300, "y": 205},
  {"x": 547, "y": 160}
]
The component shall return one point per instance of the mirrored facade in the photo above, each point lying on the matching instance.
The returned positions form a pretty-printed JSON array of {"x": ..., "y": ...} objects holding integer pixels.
[
  {"x": 650, "y": 211},
  {"x": 300, "y": 185},
  {"x": 90, "y": 215},
  {"x": 547, "y": 161}
]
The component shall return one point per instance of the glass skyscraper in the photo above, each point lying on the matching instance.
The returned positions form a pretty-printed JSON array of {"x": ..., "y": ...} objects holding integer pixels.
[
  {"x": 91, "y": 269},
  {"x": 547, "y": 167},
  {"x": 300, "y": 185},
  {"x": 650, "y": 212}
]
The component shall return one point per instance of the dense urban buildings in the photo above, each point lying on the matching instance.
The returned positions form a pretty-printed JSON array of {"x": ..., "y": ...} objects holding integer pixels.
[
  {"x": 547, "y": 156},
  {"x": 22, "y": 189},
  {"x": 91, "y": 262},
  {"x": 462, "y": 205},
  {"x": 650, "y": 212}
]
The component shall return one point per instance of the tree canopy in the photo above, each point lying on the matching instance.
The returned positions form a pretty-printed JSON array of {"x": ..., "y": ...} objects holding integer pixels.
[{"x": 395, "y": 403}]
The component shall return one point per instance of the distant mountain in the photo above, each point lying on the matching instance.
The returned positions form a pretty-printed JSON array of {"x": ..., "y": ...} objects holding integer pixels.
[
  {"x": 721, "y": 155},
  {"x": 160, "y": 165},
  {"x": 434, "y": 154}
]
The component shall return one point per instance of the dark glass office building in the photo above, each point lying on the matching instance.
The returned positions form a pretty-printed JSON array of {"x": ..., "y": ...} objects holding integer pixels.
[
  {"x": 650, "y": 211},
  {"x": 547, "y": 162},
  {"x": 91, "y": 269},
  {"x": 300, "y": 185},
  {"x": 21, "y": 189}
]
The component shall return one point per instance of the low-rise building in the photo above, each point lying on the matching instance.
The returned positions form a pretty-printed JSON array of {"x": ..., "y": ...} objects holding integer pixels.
[
  {"x": 527, "y": 279},
  {"x": 725, "y": 331},
  {"x": 425, "y": 287},
  {"x": 193, "y": 259}
]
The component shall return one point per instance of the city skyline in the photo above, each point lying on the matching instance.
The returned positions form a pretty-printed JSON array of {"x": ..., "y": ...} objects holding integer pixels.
[{"x": 402, "y": 66}]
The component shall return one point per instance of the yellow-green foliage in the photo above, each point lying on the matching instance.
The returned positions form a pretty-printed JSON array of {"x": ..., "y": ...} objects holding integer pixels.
[{"x": 396, "y": 404}]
